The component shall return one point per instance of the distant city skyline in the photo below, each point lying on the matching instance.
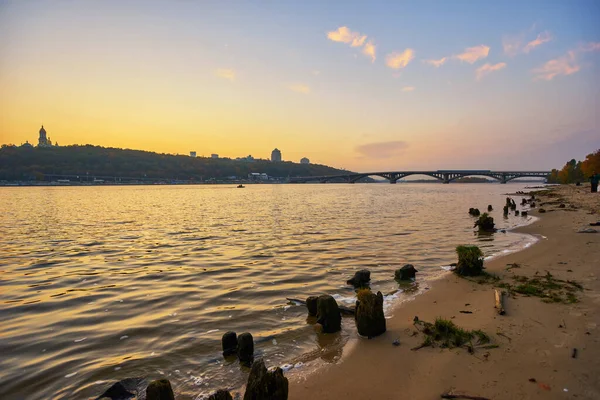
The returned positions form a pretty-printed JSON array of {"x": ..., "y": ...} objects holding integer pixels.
[{"x": 392, "y": 87}]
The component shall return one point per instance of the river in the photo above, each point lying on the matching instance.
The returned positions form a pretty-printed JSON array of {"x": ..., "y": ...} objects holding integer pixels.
[{"x": 102, "y": 283}]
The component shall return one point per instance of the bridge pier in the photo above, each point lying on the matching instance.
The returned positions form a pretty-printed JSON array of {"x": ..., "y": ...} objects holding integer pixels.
[
  {"x": 446, "y": 178},
  {"x": 393, "y": 181}
]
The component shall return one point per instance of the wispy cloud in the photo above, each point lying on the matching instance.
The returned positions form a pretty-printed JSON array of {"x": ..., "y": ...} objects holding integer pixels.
[
  {"x": 369, "y": 50},
  {"x": 408, "y": 88},
  {"x": 382, "y": 149},
  {"x": 565, "y": 65},
  {"x": 592, "y": 46},
  {"x": 226, "y": 73},
  {"x": 488, "y": 68},
  {"x": 437, "y": 63},
  {"x": 355, "y": 39},
  {"x": 472, "y": 54},
  {"x": 345, "y": 35},
  {"x": 397, "y": 60},
  {"x": 299, "y": 88},
  {"x": 513, "y": 44},
  {"x": 541, "y": 38}
]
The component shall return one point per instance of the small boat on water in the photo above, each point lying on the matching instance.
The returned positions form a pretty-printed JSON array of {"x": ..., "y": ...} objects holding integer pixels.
[{"x": 240, "y": 186}]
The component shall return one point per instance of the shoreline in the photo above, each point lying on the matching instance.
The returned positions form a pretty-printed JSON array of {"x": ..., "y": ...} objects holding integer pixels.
[
  {"x": 397, "y": 299},
  {"x": 538, "y": 348}
]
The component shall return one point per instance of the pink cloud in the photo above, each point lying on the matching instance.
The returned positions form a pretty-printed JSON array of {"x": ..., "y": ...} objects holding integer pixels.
[
  {"x": 565, "y": 65},
  {"x": 345, "y": 35},
  {"x": 488, "y": 68},
  {"x": 369, "y": 50},
  {"x": 541, "y": 38},
  {"x": 399, "y": 60},
  {"x": 592, "y": 46},
  {"x": 513, "y": 45},
  {"x": 472, "y": 54},
  {"x": 437, "y": 63}
]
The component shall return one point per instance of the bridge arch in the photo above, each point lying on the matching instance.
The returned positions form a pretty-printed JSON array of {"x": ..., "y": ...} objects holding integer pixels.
[{"x": 491, "y": 175}]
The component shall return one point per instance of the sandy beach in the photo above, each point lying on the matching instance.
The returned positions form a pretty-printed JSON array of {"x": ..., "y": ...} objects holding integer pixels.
[{"x": 535, "y": 358}]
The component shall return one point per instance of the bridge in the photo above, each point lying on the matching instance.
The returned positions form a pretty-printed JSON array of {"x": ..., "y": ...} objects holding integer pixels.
[{"x": 446, "y": 176}]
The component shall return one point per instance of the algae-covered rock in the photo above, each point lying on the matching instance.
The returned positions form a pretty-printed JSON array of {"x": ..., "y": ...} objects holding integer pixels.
[
  {"x": 245, "y": 349},
  {"x": 220, "y": 394},
  {"x": 266, "y": 385},
  {"x": 125, "y": 389},
  {"x": 229, "y": 343},
  {"x": 490, "y": 208},
  {"x": 360, "y": 278},
  {"x": 541, "y": 210},
  {"x": 505, "y": 211},
  {"x": 369, "y": 317},
  {"x": 517, "y": 213},
  {"x": 474, "y": 212},
  {"x": 523, "y": 213},
  {"x": 328, "y": 314},
  {"x": 405, "y": 273},
  {"x": 159, "y": 390},
  {"x": 311, "y": 305},
  {"x": 485, "y": 223}
]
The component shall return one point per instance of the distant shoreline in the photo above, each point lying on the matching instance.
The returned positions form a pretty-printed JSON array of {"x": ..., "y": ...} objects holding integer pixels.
[{"x": 79, "y": 184}]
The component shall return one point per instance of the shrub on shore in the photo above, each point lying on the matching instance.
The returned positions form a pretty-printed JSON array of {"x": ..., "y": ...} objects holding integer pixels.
[
  {"x": 444, "y": 333},
  {"x": 470, "y": 261}
]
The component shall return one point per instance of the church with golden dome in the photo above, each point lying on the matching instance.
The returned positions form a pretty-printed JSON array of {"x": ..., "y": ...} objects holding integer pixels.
[{"x": 44, "y": 141}]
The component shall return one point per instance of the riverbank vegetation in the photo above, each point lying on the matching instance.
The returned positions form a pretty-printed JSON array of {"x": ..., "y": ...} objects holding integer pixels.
[
  {"x": 33, "y": 163},
  {"x": 577, "y": 171}
]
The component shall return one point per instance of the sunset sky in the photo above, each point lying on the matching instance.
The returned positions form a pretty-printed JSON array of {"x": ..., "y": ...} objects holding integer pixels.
[{"x": 359, "y": 85}]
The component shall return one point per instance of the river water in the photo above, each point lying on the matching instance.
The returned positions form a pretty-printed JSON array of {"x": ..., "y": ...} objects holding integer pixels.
[{"x": 102, "y": 283}]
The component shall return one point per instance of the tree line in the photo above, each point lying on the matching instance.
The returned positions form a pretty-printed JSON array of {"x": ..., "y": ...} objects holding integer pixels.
[
  {"x": 34, "y": 163},
  {"x": 577, "y": 171}
]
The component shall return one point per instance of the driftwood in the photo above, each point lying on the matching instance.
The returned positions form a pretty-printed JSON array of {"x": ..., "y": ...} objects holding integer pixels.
[
  {"x": 499, "y": 302},
  {"x": 453, "y": 395},
  {"x": 343, "y": 309}
]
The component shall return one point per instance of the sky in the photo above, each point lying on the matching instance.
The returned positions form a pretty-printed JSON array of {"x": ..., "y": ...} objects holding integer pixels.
[{"x": 365, "y": 86}]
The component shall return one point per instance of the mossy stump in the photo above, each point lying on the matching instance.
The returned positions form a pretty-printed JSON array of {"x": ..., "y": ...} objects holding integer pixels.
[
  {"x": 470, "y": 261},
  {"x": 159, "y": 390},
  {"x": 220, "y": 394},
  {"x": 266, "y": 385},
  {"x": 229, "y": 343},
  {"x": 328, "y": 314},
  {"x": 485, "y": 223},
  {"x": 311, "y": 305},
  {"x": 245, "y": 349},
  {"x": 369, "y": 317},
  {"x": 405, "y": 273}
]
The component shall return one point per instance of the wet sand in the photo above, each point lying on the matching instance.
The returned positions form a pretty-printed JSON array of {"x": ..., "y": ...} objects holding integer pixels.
[{"x": 536, "y": 339}]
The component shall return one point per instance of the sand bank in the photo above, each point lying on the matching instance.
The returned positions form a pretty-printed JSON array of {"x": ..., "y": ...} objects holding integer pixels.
[{"x": 536, "y": 339}]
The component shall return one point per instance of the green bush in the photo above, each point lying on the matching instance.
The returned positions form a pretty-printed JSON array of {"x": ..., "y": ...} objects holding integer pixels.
[{"x": 470, "y": 261}]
